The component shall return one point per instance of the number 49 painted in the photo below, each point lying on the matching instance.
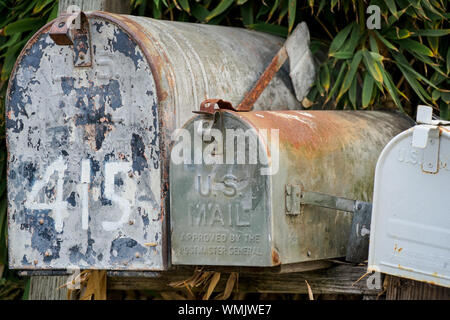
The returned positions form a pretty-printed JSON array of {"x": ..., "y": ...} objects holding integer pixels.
[{"x": 59, "y": 206}]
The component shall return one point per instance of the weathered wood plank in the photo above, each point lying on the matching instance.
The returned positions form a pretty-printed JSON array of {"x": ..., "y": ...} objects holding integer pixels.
[
  {"x": 405, "y": 289},
  {"x": 115, "y": 6},
  {"x": 341, "y": 279},
  {"x": 46, "y": 288}
]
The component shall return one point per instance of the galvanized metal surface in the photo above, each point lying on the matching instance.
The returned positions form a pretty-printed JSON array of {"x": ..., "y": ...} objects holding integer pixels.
[
  {"x": 358, "y": 241},
  {"x": 87, "y": 168},
  {"x": 230, "y": 214},
  {"x": 410, "y": 231},
  {"x": 326, "y": 201}
]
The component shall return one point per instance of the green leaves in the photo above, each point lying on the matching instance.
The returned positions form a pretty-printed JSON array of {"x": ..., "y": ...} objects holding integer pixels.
[
  {"x": 391, "y": 88},
  {"x": 325, "y": 77},
  {"x": 269, "y": 28},
  {"x": 23, "y": 25},
  {"x": 432, "y": 32},
  {"x": 367, "y": 91},
  {"x": 292, "y": 13},
  {"x": 247, "y": 14},
  {"x": 221, "y": 7},
  {"x": 372, "y": 65},
  {"x": 339, "y": 40},
  {"x": 185, "y": 5},
  {"x": 392, "y": 7},
  {"x": 415, "y": 46},
  {"x": 348, "y": 79}
]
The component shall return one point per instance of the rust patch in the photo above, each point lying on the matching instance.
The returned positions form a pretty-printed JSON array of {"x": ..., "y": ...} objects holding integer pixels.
[
  {"x": 310, "y": 134},
  {"x": 208, "y": 106},
  {"x": 275, "y": 257},
  {"x": 444, "y": 129}
]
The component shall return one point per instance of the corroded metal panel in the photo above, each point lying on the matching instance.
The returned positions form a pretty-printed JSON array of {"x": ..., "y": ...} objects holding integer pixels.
[
  {"x": 84, "y": 167},
  {"x": 226, "y": 211},
  {"x": 220, "y": 214}
]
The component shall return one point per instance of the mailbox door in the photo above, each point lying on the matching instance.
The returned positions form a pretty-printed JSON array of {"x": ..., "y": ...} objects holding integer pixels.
[
  {"x": 410, "y": 232},
  {"x": 83, "y": 167},
  {"x": 220, "y": 213}
]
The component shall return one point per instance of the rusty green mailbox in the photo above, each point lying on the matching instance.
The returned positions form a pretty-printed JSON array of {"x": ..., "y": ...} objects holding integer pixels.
[{"x": 237, "y": 180}]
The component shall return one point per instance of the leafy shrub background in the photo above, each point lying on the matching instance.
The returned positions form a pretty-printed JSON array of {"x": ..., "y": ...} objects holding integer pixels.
[{"x": 405, "y": 63}]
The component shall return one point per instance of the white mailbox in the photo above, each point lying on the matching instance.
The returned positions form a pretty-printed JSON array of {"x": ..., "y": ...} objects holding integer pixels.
[{"x": 410, "y": 231}]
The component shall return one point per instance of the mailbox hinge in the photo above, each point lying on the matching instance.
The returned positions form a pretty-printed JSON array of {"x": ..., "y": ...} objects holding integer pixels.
[
  {"x": 358, "y": 242},
  {"x": 73, "y": 30}
]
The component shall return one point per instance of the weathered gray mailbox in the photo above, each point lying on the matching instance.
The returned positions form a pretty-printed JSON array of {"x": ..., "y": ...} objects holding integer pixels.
[
  {"x": 91, "y": 104},
  {"x": 410, "y": 232},
  {"x": 237, "y": 182}
]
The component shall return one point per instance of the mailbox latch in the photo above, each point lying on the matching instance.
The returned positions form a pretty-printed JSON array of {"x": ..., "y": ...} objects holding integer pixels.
[{"x": 73, "y": 30}]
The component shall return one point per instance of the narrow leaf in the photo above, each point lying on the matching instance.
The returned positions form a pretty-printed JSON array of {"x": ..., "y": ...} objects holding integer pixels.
[
  {"x": 392, "y": 7},
  {"x": 448, "y": 59},
  {"x": 431, "y": 32},
  {"x": 368, "y": 87},
  {"x": 338, "y": 41},
  {"x": 269, "y": 28},
  {"x": 353, "y": 41},
  {"x": 325, "y": 77},
  {"x": 292, "y": 13},
  {"x": 385, "y": 42},
  {"x": 372, "y": 66},
  {"x": 342, "y": 55},
  {"x": 350, "y": 74},
  {"x": 22, "y": 26},
  {"x": 185, "y": 5},
  {"x": 338, "y": 81},
  {"x": 352, "y": 93},
  {"x": 398, "y": 33},
  {"x": 415, "y": 46},
  {"x": 221, "y": 7},
  {"x": 401, "y": 60},
  {"x": 247, "y": 13},
  {"x": 391, "y": 88},
  {"x": 444, "y": 111},
  {"x": 200, "y": 12},
  {"x": 272, "y": 11},
  {"x": 415, "y": 85}
]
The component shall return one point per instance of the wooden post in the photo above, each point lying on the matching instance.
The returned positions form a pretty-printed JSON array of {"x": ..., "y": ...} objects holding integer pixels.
[
  {"x": 46, "y": 288},
  {"x": 114, "y": 6},
  {"x": 405, "y": 289}
]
